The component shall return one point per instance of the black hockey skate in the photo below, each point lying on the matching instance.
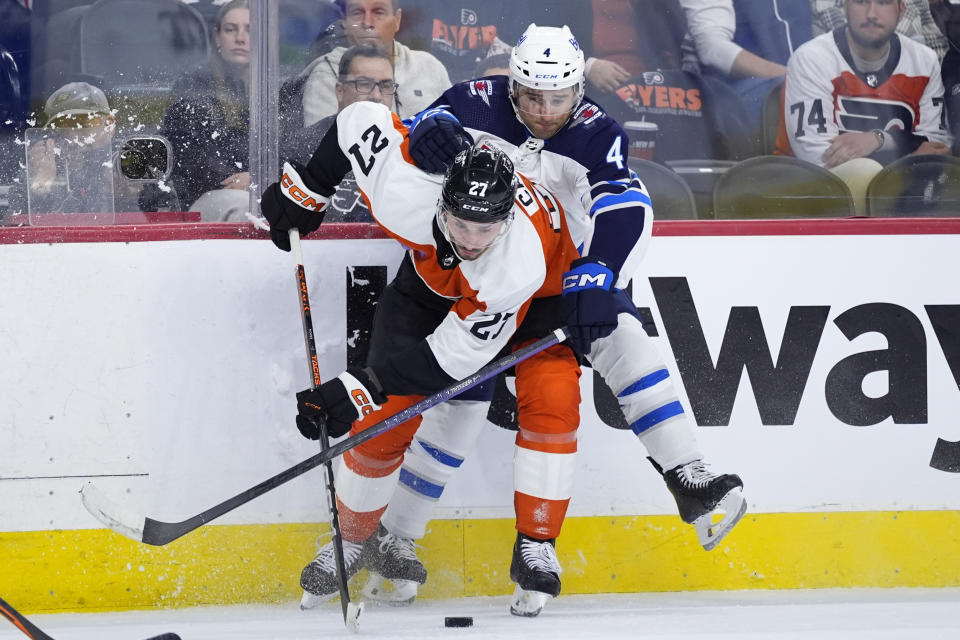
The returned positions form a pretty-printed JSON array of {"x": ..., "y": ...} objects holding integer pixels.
[
  {"x": 319, "y": 578},
  {"x": 391, "y": 558},
  {"x": 713, "y": 503},
  {"x": 536, "y": 571}
]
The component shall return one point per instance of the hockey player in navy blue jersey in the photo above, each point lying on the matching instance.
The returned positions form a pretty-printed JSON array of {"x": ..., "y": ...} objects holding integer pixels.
[{"x": 563, "y": 140}]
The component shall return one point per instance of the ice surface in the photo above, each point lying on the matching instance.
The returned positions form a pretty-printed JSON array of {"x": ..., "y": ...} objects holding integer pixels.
[{"x": 829, "y": 614}]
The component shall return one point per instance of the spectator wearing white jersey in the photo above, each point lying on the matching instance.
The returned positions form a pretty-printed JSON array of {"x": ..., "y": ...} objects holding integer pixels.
[
  {"x": 862, "y": 96},
  {"x": 917, "y": 23}
]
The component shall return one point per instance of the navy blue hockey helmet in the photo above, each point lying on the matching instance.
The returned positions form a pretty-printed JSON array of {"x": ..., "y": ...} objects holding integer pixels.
[{"x": 480, "y": 185}]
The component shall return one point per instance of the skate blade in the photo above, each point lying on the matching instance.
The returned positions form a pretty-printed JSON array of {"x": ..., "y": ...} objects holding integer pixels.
[
  {"x": 528, "y": 604},
  {"x": 732, "y": 507},
  {"x": 310, "y": 601},
  {"x": 352, "y": 619},
  {"x": 396, "y": 593}
]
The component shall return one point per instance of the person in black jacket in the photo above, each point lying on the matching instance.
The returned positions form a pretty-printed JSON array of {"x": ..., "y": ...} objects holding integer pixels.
[{"x": 208, "y": 123}]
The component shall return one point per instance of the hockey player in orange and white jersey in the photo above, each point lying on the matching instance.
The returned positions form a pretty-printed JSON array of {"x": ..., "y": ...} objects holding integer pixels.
[
  {"x": 483, "y": 242},
  {"x": 862, "y": 91}
]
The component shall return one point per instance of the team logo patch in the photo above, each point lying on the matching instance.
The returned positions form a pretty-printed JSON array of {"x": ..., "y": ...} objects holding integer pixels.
[
  {"x": 586, "y": 114},
  {"x": 653, "y": 77},
  {"x": 468, "y": 18},
  {"x": 872, "y": 80},
  {"x": 483, "y": 89}
]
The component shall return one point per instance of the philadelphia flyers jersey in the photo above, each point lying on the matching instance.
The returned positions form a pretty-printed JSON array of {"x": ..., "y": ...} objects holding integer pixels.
[
  {"x": 825, "y": 95},
  {"x": 489, "y": 295}
]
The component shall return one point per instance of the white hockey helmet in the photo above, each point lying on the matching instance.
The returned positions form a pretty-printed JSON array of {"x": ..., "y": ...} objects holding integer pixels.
[{"x": 547, "y": 58}]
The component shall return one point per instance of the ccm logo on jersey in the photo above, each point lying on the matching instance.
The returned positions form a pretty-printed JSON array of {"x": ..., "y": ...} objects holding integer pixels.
[{"x": 294, "y": 188}]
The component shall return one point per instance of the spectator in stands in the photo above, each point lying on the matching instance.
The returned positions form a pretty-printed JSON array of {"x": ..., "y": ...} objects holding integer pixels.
[
  {"x": 364, "y": 74},
  {"x": 620, "y": 38},
  {"x": 863, "y": 92},
  {"x": 460, "y": 34},
  {"x": 14, "y": 87},
  {"x": 421, "y": 76},
  {"x": 747, "y": 43},
  {"x": 68, "y": 162},
  {"x": 917, "y": 22},
  {"x": 946, "y": 14},
  {"x": 208, "y": 123},
  {"x": 495, "y": 65}
]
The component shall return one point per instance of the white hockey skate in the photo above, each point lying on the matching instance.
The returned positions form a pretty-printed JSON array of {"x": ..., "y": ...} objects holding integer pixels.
[
  {"x": 536, "y": 571},
  {"x": 713, "y": 503},
  {"x": 319, "y": 578},
  {"x": 395, "y": 571}
]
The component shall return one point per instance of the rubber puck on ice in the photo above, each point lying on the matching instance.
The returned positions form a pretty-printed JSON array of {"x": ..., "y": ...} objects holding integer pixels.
[{"x": 458, "y": 621}]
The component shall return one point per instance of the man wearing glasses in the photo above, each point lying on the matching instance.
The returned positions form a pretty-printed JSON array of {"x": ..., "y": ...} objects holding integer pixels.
[
  {"x": 422, "y": 78},
  {"x": 365, "y": 75}
]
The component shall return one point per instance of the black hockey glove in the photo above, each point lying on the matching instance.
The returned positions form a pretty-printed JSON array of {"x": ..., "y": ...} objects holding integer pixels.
[
  {"x": 589, "y": 307},
  {"x": 348, "y": 397},
  {"x": 292, "y": 202},
  {"x": 436, "y": 137}
]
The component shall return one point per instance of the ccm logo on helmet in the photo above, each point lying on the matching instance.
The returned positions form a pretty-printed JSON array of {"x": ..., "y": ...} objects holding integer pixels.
[
  {"x": 584, "y": 280},
  {"x": 546, "y": 76},
  {"x": 298, "y": 195},
  {"x": 473, "y": 207}
]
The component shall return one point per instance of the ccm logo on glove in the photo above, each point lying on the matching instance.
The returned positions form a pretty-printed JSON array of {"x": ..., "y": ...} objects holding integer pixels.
[
  {"x": 294, "y": 188},
  {"x": 588, "y": 276}
]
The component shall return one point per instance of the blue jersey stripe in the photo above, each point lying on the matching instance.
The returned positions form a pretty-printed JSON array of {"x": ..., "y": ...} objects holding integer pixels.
[{"x": 620, "y": 199}]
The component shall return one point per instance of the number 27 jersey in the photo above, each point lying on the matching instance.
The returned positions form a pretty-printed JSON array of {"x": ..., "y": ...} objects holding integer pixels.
[{"x": 489, "y": 295}]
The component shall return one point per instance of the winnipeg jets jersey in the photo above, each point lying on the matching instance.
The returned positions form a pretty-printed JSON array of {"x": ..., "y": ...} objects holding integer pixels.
[
  {"x": 489, "y": 295},
  {"x": 584, "y": 164},
  {"x": 825, "y": 95}
]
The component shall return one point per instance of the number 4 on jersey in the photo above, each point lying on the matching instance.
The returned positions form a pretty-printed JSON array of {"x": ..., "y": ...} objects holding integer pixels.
[{"x": 615, "y": 155}]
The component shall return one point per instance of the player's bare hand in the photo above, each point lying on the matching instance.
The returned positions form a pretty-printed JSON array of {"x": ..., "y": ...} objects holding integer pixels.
[
  {"x": 931, "y": 148},
  {"x": 848, "y": 146},
  {"x": 607, "y": 75},
  {"x": 237, "y": 181}
]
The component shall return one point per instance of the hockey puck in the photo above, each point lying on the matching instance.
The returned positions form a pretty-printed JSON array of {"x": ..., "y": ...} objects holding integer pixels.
[
  {"x": 458, "y": 621},
  {"x": 165, "y": 636}
]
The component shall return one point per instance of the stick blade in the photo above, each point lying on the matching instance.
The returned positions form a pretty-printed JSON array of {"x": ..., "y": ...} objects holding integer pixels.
[
  {"x": 116, "y": 517},
  {"x": 352, "y": 618}
]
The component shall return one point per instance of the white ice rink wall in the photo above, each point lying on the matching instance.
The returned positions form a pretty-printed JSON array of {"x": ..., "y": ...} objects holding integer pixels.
[{"x": 821, "y": 361}]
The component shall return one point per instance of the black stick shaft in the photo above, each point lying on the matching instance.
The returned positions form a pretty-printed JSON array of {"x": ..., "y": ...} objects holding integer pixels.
[
  {"x": 160, "y": 533},
  {"x": 20, "y": 622},
  {"x": 311, "y": 347}
]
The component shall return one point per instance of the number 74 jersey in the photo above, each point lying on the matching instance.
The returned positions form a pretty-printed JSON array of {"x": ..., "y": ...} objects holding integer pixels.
[
  {"x": 825, "y": 95},
  {"x": 488, "y": 296}
]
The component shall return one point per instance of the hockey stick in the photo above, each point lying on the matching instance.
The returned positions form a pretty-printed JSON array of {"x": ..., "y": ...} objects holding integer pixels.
[
  {"x": 20, "y": 622},
  {"x": 351, "y": 611},
  {"x": 156, "y": 532}
]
